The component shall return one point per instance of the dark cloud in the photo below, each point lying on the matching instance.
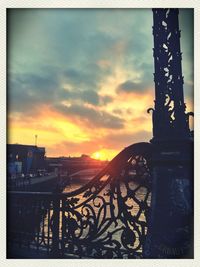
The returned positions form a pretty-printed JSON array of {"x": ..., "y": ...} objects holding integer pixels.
[
  {"x": 75, "y": 40},
  {"x": 104, "y": 100},
  {"x": 130, "y": 86},
  {"x": 48, "y": 48},
  {"x": 27, "y": 91},
  {"x": 90, "y": 97},
  {"x": 80, "y": 78},
  {"x": 86, "y": 96},
  {"x": 146, "y": 80},
  {"x": 92, "y": 117}
]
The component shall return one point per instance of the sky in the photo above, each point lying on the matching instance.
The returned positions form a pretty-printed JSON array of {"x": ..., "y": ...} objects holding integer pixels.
[{"x": 82, "y": 79}]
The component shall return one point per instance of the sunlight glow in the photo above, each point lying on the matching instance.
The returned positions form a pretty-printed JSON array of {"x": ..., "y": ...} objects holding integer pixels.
[
  {"x": 97, "y": 155},
  {"x": 105, "y": 154}
]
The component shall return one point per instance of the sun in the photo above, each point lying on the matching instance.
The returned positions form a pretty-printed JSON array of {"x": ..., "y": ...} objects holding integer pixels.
[
  {"x": 104, "y": 154},
  {"x": 97, "y": 155}
]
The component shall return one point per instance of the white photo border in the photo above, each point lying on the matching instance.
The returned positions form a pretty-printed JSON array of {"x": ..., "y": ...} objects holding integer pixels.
[{"x": 4, "y": 5}]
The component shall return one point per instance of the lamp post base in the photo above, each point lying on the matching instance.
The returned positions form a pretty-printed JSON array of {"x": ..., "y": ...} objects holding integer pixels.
[{"x": 170, "y": 232}]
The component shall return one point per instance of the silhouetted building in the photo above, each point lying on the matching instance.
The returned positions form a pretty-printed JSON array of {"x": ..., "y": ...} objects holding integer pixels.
[
  {"x": 25, "y": 158},
  {"x": 73, "y": 164}
]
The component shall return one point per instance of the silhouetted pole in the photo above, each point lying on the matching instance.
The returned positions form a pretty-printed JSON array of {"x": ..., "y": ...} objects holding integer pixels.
[
  {"x": 170, "y": 232},
  {"x": 36, "y": 139}
]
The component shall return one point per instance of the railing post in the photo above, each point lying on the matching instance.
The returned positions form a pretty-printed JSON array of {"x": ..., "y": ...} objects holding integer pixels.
[{"x": 55, "y": 226}]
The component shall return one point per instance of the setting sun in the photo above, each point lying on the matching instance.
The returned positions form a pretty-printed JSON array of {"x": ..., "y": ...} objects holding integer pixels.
[
  {"x": 105, "y": 154},
  {"x": 97, "y": 155}
]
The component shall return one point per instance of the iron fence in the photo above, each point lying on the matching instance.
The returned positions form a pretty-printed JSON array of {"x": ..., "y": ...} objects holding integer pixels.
[{"x": 106, "y": 218}]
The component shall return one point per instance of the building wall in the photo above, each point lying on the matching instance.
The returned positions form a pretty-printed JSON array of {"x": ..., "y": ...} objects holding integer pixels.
[{"x": 32, "y": 158}]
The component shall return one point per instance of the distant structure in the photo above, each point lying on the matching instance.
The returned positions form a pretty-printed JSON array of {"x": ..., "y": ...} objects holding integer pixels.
[
  {"x": 25, "y": 159},
  {"x": 36, "y": 139},
  {"x": 72, "y": 164}
]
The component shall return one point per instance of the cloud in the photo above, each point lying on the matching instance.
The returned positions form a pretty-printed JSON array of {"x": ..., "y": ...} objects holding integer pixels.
[
  {"x": 79, "y": 78},
  {"x": 106, "y": 99},
  {"x": 92, "y": 117},
  {"x": 117, "y": 140},
  {"x": 87, "y": 65},
  {"x": 130, "y": 86},
  {"x": 28, "y": 91},
  {"x": 124, "y": 139},
  {"x": 86, "y": 96}
]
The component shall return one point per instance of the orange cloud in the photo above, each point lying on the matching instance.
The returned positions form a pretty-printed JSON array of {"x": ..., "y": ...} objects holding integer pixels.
[{"x": 63, "y": 134}]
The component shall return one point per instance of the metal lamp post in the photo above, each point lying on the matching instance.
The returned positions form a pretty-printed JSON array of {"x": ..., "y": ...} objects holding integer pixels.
[{"x": 170, "y": 233}]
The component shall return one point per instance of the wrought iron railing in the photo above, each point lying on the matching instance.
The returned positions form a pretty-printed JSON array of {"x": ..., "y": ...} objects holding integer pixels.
[
  {"x": 18, "y": 183},
  {"x": 106, "y": 218}
]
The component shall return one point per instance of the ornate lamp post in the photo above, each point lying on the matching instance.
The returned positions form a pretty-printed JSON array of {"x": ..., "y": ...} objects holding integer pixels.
[{"x": 170, "y": 233}]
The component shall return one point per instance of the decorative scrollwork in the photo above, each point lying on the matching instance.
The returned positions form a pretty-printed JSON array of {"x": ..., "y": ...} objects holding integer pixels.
[
  {"x": 169, "y": 117},
  {"x": 107, "y": 218}
]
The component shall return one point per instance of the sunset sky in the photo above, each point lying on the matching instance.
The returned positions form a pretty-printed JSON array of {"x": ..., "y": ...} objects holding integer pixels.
[{"x": 82, "y": 80}]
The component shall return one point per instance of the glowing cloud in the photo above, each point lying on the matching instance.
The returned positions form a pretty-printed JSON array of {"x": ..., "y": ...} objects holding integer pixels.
[{"x": 82, "y": 80}]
